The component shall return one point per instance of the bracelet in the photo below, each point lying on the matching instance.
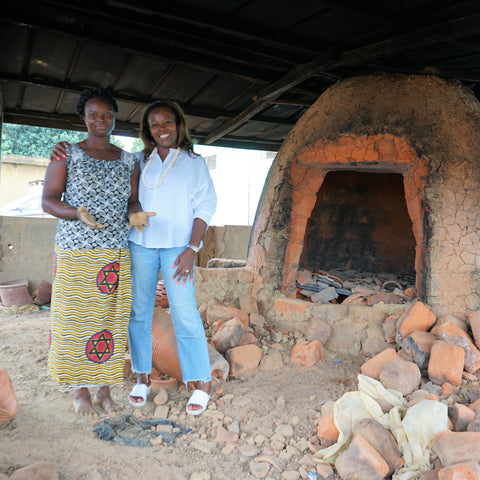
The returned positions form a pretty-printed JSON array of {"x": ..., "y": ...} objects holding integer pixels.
[{"x": 194, "y": 248}]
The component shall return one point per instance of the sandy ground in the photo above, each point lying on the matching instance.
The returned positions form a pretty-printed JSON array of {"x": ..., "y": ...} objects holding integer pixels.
[{"x": 47, "y": 429}]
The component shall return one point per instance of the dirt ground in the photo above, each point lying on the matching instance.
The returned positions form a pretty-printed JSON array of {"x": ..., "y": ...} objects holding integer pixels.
[{"x": 47, "y": 429}]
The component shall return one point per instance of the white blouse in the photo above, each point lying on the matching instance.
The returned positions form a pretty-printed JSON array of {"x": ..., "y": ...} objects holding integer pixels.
[{"x": 187, "y": 192}]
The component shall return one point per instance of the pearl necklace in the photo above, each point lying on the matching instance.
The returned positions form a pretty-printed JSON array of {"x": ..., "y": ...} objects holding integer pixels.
[{"x": 162, "y": 178}]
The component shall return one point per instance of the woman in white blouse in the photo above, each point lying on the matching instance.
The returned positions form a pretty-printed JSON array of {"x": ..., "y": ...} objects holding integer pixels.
[{"x": 175, "y": 203}]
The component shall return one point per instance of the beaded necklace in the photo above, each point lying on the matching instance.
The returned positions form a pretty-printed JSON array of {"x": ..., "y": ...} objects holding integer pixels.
[{"x": 162, "y": 178}]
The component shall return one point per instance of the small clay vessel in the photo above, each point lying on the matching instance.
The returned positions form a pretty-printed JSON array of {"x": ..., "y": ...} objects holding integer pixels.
[{"x": 8, "y": 400}]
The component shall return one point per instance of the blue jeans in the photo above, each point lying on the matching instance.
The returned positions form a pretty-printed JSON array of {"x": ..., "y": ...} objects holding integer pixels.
[{"x": 189, "y": 331}]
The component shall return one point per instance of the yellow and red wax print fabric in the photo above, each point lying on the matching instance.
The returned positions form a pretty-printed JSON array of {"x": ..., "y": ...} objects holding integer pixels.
[{"x": 90, "y": 311}]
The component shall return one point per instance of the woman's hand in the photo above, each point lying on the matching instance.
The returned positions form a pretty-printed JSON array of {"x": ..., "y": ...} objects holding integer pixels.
[
  {"x": 87, "y": 219},
  {"x": 184, "y": 266},
  {"x": 59, "y": 151},
  {"x": 139, "y": 220}
]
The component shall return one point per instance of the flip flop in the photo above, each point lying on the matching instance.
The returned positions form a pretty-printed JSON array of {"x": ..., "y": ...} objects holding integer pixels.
[
  {"x": 199, "y": 397},
  {"x": 139, "y": 390}
]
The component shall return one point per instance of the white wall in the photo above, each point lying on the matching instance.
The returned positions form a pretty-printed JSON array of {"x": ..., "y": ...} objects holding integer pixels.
[{"x": 239, "y": 177}]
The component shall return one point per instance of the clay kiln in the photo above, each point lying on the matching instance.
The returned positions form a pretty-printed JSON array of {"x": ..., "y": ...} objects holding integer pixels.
[{"x": 380, "y": 174}]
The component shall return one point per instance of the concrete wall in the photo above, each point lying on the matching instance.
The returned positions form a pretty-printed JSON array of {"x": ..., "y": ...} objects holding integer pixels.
[
  {"x": 16, "y": 173},
  {"x": 27, "y": 245}
]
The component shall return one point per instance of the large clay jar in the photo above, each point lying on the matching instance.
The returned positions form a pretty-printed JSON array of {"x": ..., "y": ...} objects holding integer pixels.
[
  {"x": 8, "y": 400},
  {"x": 164, "y": 345},
  {"x": 165, "y": 353}
]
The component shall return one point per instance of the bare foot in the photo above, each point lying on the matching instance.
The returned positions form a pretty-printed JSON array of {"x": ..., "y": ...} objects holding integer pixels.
[
  {"x": 105, "y": 400},
  {"x": 82, "y": 403},
  {"x": 204, "y": 386}
]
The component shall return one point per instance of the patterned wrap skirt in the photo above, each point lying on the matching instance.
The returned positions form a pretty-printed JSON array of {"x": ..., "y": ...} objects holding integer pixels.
[{"x": 90, "y": 311}]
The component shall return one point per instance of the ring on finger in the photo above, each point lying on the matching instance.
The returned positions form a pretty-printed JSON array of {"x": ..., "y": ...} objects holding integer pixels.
[{"x": 187, "y": 271}]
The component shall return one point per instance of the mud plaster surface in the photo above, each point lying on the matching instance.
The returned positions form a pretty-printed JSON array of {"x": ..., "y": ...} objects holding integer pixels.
[{"x": 46, "y": 428}]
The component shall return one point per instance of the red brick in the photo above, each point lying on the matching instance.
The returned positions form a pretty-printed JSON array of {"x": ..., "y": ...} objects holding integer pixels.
[
  {"x": 417, "y": 317},
  {"x": 401, "y": 376},
  {"x": 290, "y": 306},
  {"x": 220, "y": 312},
  {"x": 381, "y": 440},
  {"x": 418, "y": 344},
  {"x": 461, "y": 416},
  {"x": 228, "y": 335},
  {"x": 452, "y": 333},
  {"x": 373, "y": 367},
  {"x": 461, "y": 471},
  {"x": 360, "y": 461},
  {"x": 446, "y": 363},
  {"x": 327, "y": 431},
  {"x": 243, "y": 359},
  {"x": 456, "y": 447},
  {"x": 475, "y": 406},
  {"x": 474, "y": 321},
  {"x": 306, "y": 353}
]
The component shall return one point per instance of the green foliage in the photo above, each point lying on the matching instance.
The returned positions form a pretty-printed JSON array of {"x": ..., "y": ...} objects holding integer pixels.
[
  {"x": 34, "y": 141},
  {"x": 137, "y": 145}
]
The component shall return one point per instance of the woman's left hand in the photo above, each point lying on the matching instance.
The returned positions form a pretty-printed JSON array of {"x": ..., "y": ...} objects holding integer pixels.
[{"x": 184, "y": 266}]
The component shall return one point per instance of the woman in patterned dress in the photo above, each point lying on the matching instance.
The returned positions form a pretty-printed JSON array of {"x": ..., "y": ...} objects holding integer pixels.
[{"x": 88, "y": 189}]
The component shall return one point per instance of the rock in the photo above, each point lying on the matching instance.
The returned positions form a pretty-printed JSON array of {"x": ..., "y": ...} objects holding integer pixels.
[
  {"x": 306, "y": 353},
  {"x": 381, "y": 440},
  {"x": 228, "y": 335},
  {"x": 243, "y": 359},
  {"x": 271, "y": 361},
  {"x": 417, "y": 317},
  {"x": 446, "y": 363},
  {"x": 318, "y": 329},
  {"x": 418, "y": 344},
  {"x": 373, "y": 367},
  {"x": 456, "y": 447},
  {"x": 360, "y": 461}
]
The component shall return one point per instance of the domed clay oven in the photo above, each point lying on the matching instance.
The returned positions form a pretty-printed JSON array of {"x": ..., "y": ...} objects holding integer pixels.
[{"x": 380, "y": 174}]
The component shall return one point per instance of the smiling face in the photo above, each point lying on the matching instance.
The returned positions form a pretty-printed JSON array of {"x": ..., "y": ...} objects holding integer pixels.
[
  {"x": 99, "y": 117},
  {"x": 163, "y": 128}
]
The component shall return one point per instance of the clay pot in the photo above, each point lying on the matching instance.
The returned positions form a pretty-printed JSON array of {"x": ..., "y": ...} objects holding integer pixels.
[
  {"x": 161, "y": 299},
  {"x": 8, "y": 401},
  {"x": 165, "y": 353},
  {"x": 164, "y": 345}
]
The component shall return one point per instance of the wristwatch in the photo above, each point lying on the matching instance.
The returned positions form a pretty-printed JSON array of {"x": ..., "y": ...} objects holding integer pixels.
[{"x": 194, "y": 248}]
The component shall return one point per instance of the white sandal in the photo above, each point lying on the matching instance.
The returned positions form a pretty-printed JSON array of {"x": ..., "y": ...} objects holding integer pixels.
[
  {"x": 199, "y": 397},
  {"x": 139, "y": 390}
]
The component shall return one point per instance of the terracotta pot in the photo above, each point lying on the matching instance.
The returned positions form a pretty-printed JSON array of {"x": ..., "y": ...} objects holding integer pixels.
[
  {"x": 165, "y": 353},
  {"x": 164, "y": 345},
  {"x": 161, "y": 299},
  {"x": 8, "y": 400}
]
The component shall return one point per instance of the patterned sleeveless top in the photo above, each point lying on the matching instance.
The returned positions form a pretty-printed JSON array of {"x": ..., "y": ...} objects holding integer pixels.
[{"x": 103, "y": 188}]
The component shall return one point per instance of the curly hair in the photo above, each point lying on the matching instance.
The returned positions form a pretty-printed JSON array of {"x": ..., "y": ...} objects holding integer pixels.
[
  {"x": 183, "y": 141},
  {"x": 99, "y": 92}
]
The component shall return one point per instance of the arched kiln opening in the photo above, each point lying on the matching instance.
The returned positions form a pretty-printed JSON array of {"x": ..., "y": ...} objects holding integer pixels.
[{"x": 360, "y": 222}]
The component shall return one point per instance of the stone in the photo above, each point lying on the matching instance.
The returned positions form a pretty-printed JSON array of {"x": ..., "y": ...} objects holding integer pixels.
[
  {"x": 418, "y": 344},
  {"x": 327, "y": 431},
  {"x": 460, "y": 416},
  {"x": 373, "y": 367},
  {"x": 430, "y": 475},
  {"x": 452, "y": 333},
  {"x": 456, "y": 447},
  {"x": 259, "y": 469},
  {"x": 243, "y": 359},
  {"x": 373, "y": 346},
  {"x": 221, "y": 312},
  {"x": 318, "y": 329},
  {"x": 271, "y": 361},
  {"x": 446, "y": 363},
  {"x": 450, "y": 318},
  {"x": 228, "y": 335},
  {"x": 474, "y": 425},
  {"x": 306, "y": 353},
  {"x": 417, "y": 317},
  {"x": 381, "y": 440},
  {"x": 360, "y": 461},
  {"x": 474, "y": 321},
  {"x": 401, "y": 375},
  {"x": 325, "y": 295},
  {"x": 390, "y": 327},
  {"x": 460, "y": 471}
]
